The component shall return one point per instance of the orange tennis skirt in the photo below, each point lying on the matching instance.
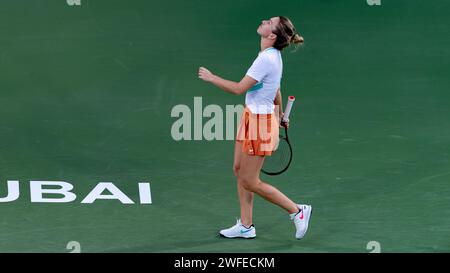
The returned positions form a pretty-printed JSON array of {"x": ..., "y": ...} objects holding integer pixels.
[{"x": 259, "y": 133}]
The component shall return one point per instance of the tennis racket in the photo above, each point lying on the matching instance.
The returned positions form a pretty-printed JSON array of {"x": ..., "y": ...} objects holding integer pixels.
[{"x": 281, "y": 158}]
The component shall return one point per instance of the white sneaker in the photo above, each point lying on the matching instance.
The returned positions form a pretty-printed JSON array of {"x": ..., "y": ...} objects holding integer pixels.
[
  {"x": 301, "y": 220},
  {"x": 239, "y": 231}
]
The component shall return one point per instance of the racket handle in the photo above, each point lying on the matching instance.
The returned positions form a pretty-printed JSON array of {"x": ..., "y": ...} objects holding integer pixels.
[{"x": 287, "y": 111}]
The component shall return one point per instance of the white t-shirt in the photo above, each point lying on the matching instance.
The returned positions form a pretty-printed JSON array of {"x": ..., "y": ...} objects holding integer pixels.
[{"x": 267, "y": 69}]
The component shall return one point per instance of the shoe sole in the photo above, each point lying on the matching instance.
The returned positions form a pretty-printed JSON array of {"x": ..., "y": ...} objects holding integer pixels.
[{"x": 238, "y": 237}]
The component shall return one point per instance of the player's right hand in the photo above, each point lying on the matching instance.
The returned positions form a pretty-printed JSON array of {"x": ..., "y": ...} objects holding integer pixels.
[
  {"x": 205, "y": 74},
  {"x": 283, "y": 123}
]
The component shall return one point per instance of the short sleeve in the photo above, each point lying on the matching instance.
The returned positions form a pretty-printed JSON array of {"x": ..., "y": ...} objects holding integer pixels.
[{"x": 260, "y": 68}]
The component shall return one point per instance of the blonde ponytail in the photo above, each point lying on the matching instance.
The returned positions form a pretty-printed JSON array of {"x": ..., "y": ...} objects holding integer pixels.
[{"x": 297, "y": 39}]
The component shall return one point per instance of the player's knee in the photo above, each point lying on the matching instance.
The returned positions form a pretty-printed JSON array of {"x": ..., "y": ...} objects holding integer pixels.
[
  {"x": 248, "y": 184},
  {"x": 251, "y": 187}
]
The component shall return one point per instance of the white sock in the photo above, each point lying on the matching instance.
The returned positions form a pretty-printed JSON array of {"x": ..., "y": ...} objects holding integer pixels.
[{"x": 292, "y": 215}]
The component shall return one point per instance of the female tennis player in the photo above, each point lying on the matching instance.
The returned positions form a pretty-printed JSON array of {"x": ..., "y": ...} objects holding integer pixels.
[{"x": 258, "y": 131}]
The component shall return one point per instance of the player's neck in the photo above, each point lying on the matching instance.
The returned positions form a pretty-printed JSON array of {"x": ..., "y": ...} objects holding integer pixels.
[{"x": 265, "y": 44}]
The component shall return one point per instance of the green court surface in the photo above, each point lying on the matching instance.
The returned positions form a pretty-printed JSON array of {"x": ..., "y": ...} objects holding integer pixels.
[{"x": 86, "y": 94}]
